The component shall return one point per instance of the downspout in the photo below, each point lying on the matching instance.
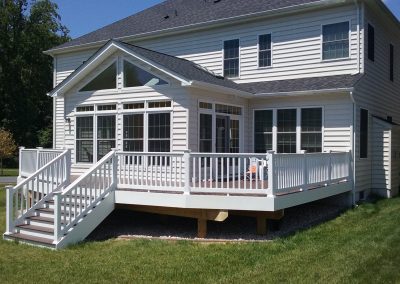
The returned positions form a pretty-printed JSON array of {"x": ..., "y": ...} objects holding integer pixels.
[{"x": 354, "y": 147}]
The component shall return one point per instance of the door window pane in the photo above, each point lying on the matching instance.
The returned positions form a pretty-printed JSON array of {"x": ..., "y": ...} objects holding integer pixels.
[
  {"x": 105, "y": 135},
  {"x": 263, "y": 130},
  {"x": 84, "y": 139},
  {"x": 311, "y": 129},
  {"x": 234, "y": 143},
  {"x": 159, "y": 132},
  {"x": 205, "y": 133},
  {"x": 286, "y": 122},
  {"x": 106, "y": 80},
  {"x": 133, "y": 133}
]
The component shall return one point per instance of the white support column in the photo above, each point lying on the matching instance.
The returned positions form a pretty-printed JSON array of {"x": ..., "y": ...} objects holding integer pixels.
[
  {"x": 20, "y": 161},
  {"x": 271, "y": 179},
  {"x": 329, "y": 167},
  {"x": 38, "y": 149},
  {"x": 68, "y": 164},
  {"x": 114, "y": 168},
  {"x": 186, "y": 158},
  {"x": 10, "y": 210},
  {"x": 57, "y": 217}
]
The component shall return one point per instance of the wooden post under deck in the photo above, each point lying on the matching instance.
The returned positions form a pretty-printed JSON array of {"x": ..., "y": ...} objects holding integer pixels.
[{"x": 201, "y": 228}]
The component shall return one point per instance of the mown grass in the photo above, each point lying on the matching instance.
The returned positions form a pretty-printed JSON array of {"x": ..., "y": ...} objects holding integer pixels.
[
  {"x": 361, "y": 246},
  {"x": 9, "y": 172}
]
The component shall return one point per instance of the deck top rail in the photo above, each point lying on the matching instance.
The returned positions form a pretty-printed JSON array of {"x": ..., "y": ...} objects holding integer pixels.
[{"x": 231, "y": 173}]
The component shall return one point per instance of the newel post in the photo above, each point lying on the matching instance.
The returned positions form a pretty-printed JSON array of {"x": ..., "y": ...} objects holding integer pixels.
[
  {"x": 270, "y": 168},
  {"x": 68, "y": 165},
  {"x": 57, "y": 217},
  {"x": 21, "y": 149},
  {"x": 114, "y": 167},
  {"x": 38, "y": 149},
  {"x": 305, "y": 170},
  {"x": 330, "y": 166},
  {"x": 10, "y": 209},
  {"x": 186, "y": 158}
]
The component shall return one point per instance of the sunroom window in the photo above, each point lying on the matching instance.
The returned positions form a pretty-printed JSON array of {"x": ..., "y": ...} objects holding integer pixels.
[
  {"x": 136, "y": 77},
  {"x": 335, "y": 43},
  {"x": 159, "y": 132},
  {"x": 84, "y": 139},
  {"x": 133, "y": 132},
  {"x": 311, "y": 129},
  {"x": 263, "y": 120},
  {"x": 287, "y": 131},
  {"x": 104, "y": 81},
  {"x": 105, "y": 135}
]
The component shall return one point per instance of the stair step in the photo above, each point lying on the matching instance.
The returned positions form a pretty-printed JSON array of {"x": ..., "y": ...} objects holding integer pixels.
[
  {"x": 51, "y": 211},
  {"x": 30, "y": 239},
  {"x": 36, "y": 228},
  {"x": 51, "y": 202},
  {"x": 42, "y": 219}
]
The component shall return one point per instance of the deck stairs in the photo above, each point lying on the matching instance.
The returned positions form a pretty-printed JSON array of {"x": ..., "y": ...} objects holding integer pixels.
[{"x": 47, "y": 210}]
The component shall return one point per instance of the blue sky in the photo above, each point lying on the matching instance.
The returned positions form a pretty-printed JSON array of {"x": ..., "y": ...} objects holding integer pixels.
[{"x": 84, "y": 16}]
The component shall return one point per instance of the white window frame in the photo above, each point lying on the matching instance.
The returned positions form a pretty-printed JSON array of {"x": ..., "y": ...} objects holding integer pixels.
[
  {"x": 298, "y": 126},
  {"x": 124, "y": 58},
  {"x": 223, "y": 56},
  {"x": 94, "y": 114},
  {"x": 322, "y": 41},
  {"x": 214, "y": 114},
  {"x": 258, "y": 50},
  {"x": 146, "y": 111}
]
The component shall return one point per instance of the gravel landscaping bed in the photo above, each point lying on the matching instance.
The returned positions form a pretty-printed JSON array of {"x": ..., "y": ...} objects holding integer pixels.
[{"x": 129, "y": 224}]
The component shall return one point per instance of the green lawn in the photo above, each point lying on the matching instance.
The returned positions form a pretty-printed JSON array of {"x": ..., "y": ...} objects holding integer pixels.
[
  {"x": 361, "y": 246},
  {"x": 9, "y": 172}
]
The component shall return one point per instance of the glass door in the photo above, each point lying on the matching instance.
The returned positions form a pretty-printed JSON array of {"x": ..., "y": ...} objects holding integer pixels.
[{"x": 222, "y": 133}]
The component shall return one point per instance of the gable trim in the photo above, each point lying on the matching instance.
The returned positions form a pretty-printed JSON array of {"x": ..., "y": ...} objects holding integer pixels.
[{"x": 103, "y": 52}]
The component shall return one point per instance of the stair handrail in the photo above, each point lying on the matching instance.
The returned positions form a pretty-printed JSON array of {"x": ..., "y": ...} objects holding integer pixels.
[
  {"x": 57, "y": 173},
  {"x": 62, "y": 224}
]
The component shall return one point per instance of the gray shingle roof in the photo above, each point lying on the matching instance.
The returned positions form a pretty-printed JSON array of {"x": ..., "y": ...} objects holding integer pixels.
[
  {"x": 183, "y": 67},
  {"x": 188, "y": 12},
  {"x": 304, "y": 84}
]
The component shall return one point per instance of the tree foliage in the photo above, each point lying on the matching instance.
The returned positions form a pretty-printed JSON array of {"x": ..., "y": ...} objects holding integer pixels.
[
  {"x": 27, "y": 28},
  {"x": 7, "y": 146}
]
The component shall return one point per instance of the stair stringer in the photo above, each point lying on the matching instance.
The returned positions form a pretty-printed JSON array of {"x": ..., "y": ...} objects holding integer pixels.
[{"x": 90, "y": 222}]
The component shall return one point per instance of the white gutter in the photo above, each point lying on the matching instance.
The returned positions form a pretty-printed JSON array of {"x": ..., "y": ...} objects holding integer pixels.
[
  {"x": 304, "y": 93},
  {"x": 207, "y": 24}
]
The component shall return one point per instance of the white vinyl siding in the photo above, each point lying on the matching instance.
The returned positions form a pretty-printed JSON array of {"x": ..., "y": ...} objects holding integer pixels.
[{"x": 296, "y": 52}]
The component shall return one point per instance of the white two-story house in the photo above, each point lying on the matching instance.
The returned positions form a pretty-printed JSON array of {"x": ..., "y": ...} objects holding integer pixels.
[{"x": 216, "y": 106}]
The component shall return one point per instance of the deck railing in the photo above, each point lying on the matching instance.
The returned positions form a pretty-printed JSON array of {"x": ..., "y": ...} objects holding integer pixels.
[
  {"x": 30, "y": 160},
  {"x": 81, "y": 196},
  {"x": 236, "y": 173},
  {"x": 32, "y": 192}
]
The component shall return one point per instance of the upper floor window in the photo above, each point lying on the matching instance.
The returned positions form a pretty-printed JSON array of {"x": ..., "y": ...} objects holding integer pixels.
[
  {"x": 371, "y": 43},
  {"x": 264, "y": 50},
  {"x": 104, "y": 81},
  {"x": 335, "y": 41},
  {"x": 231, "y": 58},
  {"x": 391, "y": 63},
  {"x": 136, "y": 77}
]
